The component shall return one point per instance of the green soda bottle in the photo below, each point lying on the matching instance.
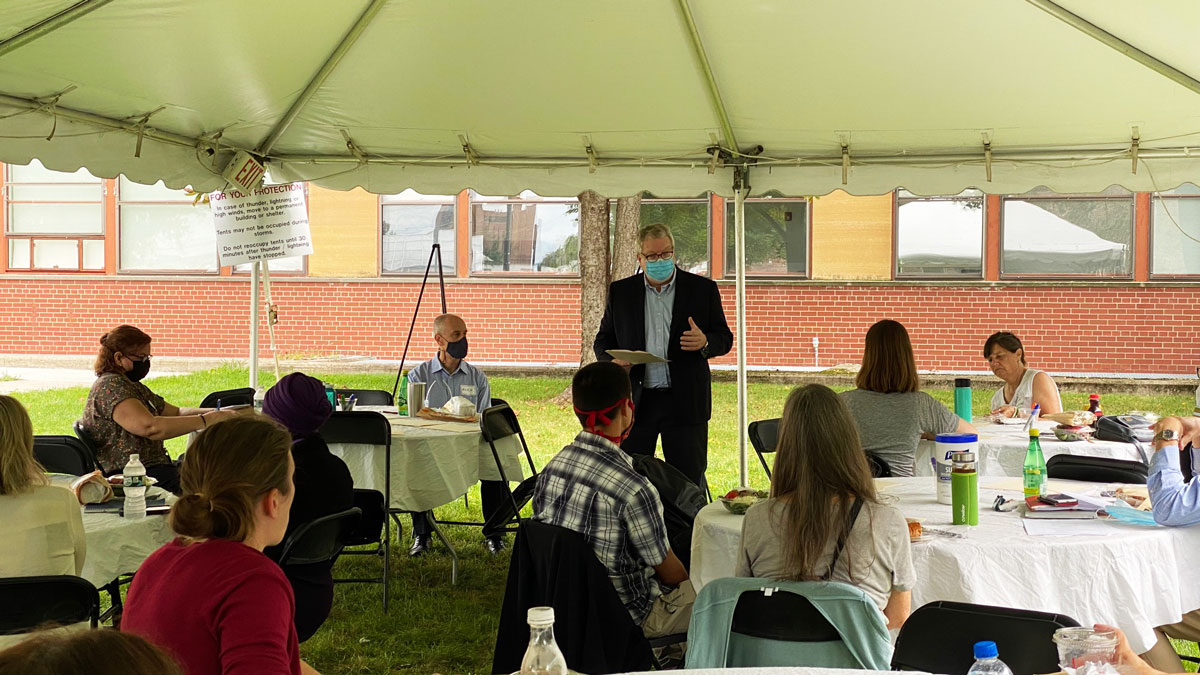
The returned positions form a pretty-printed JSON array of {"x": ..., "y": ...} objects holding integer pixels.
[
  {"x": 402, "y": 396},
  {"x": 1034, "y": 469}
]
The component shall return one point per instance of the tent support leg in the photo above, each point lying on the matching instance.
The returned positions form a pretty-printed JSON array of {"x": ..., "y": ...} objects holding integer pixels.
[
  {"x": 741, "y": 187},
  {"x": 254, "y": 276}
]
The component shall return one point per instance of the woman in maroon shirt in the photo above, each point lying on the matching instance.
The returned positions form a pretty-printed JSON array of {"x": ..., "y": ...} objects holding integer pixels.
[{"x": 211, "y": 597}]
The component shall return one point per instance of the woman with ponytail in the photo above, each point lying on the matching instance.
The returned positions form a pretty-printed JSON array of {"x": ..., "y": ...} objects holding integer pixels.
[
  {"x": 123, "y": 417},
  {"x": 323, "y": 486},
  {"x": 211, "y": 598}
]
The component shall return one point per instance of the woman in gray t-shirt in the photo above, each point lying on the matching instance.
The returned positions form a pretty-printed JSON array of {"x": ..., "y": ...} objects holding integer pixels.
[
  {"x": 888, "y": 407},
  {"x": 822, "y": 492}
]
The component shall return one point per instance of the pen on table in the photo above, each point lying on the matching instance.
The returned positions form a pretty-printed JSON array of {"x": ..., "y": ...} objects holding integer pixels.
[
  {"x": 353, "y": 400},
  {"x": 1033, "y": 415}
]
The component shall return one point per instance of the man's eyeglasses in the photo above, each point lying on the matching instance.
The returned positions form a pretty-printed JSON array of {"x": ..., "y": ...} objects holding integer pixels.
[{"x": 665, "y": 255}]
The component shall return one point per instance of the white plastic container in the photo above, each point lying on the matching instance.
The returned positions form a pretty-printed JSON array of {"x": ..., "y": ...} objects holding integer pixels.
[
  {"x": 135, "y": 488},
  {"x": 543, "y": 657},
  {"x": 946, "y": 446}
]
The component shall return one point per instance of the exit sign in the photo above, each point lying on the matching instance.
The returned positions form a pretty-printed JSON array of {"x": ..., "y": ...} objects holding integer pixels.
[{"x": 244, "y": 171}]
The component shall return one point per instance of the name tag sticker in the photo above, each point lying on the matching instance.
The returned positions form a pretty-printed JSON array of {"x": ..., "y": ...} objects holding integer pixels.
[{"x": 467, "y": 390}]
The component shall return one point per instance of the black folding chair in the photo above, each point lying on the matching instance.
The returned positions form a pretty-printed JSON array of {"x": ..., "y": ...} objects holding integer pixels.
[
  {"x": 319, "y": 540},
  {"x": 82, "y": 434},
  {"x": 368, "y": 396},
  {"x": 369, "y": 428},
  {"x": 1096, "y": 469},
  {"x": 938, "y": 638},
  {"x": 63, "y": 454},
  {"x": 33, "y": 602},
  {"x": 497, "y": 423},
  {"x": 879, "y": 467},
  {"x": 763, "y": 435},
  {"x": 369, "y": 532},
  {"x": 228, "y": 397}
]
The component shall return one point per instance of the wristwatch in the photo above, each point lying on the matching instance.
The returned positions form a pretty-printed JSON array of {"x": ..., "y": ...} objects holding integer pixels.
[
  {"x": 1167, "y": 435},
  {"x": 704, "y": 350}
]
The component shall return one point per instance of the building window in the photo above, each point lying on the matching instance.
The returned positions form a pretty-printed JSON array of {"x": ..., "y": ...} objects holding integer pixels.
[
  {"x": 1045, "y": 234},
  {"x": 164, "y": 230},
  {"x": 55, "y": 219},
  {"x": 776, "y": 237},
  {"x": 689, "y": 222},
  {"x": 940, "y": 236},
  {"x": 1175, "y": 232},
  {"x": 524, "y": 234},
  {"x": 411, "y": 223}
]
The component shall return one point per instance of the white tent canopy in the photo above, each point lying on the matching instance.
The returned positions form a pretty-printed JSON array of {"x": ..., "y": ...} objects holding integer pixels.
[{"x": 618, "y": 96}]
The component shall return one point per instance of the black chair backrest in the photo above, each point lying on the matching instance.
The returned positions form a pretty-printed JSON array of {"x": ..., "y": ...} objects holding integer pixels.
[
  {"x": 369, "y": 396},
  {"x": 1096, "y": 469},
  {"x": 82, "y": 434},
  {"x": 781, "y": 616},
  {"x": 940, "y": 637},
  {"x": 63, "y": 454},
  {"x": 498, "y": 401},
  {"x": 879, "y": 467},
  {"x": 32, "y": 602},
  {"x": 243, "y": 396},
  {"x": 498, "y": 421},
  {"x": 357, "y": 426},
  {"x": 764, "y": 434},
  {"x": 369, "y": 529},
  {"x": 320, "y": 540}
]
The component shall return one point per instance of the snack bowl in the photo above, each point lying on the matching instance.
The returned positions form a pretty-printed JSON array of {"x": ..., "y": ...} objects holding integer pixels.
[{"x": 738, "y": 502}]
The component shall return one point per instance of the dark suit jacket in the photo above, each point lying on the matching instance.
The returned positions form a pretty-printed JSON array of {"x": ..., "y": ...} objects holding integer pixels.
[{"x": 624, "y": 327}]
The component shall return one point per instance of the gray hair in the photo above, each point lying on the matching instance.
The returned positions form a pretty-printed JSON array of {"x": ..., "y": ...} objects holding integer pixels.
[{"x": 655, "y": 231}]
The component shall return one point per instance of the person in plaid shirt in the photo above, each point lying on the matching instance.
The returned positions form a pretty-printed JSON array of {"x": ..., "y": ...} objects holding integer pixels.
[{"x": 590, "y": 487}]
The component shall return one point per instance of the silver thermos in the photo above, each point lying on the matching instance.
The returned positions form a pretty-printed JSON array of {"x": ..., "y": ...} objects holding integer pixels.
[{"x": 416, "y": 397}]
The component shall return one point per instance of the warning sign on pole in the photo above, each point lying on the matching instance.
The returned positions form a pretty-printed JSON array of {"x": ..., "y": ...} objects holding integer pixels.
[{"x": 267, "y": 223}]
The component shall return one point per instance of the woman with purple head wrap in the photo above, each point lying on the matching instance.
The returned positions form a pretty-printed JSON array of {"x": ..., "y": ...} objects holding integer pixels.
[{"x": 323, "y": 486}]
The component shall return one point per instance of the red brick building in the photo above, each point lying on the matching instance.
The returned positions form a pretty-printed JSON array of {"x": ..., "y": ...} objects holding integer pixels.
[{"x": 1093, "y": 283}]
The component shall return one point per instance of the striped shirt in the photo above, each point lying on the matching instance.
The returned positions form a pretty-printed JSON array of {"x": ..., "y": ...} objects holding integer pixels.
[{"x": 590, "y": 487}]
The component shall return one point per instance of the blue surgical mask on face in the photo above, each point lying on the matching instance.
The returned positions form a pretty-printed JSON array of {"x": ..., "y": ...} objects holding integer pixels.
[{"x": 659, "y": 270}]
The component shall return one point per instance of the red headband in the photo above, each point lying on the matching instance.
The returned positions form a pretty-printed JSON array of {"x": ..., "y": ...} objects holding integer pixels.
[{"x": 601, "y": 415}]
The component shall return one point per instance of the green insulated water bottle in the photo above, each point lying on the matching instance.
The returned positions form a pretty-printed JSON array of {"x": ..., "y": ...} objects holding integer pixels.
[{"x": 964, "y": 489}]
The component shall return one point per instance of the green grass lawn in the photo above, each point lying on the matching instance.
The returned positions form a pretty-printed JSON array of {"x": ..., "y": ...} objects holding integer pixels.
[{"x": 433, "y": 626}]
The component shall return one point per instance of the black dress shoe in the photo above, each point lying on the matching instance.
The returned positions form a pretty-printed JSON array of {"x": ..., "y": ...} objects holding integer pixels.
[
  {"x": 421, "y": 544},
  {"x": 494, "y": 544}
]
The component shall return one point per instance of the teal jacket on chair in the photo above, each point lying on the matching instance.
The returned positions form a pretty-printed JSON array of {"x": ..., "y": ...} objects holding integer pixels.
[{"x": 865, "y": 642}]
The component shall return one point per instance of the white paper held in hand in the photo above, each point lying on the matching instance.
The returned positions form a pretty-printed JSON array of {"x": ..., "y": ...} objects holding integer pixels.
[{"x": 635, "y": 357}]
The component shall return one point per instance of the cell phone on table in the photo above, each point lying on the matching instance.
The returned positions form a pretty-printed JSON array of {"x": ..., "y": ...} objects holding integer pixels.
[{"x": 1058, "y": 499}]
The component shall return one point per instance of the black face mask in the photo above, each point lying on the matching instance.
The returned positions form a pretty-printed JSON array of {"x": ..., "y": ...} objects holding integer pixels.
[
  {"x": 457, "y": 349},
  {"x": 140, "y": 369}
]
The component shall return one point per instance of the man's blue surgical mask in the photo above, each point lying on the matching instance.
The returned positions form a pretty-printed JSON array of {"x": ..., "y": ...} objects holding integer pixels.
[{"x": 659, "y": 270}]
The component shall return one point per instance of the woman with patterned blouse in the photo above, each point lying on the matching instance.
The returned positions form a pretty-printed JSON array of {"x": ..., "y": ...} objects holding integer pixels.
[{"x": 123, "y": 417}]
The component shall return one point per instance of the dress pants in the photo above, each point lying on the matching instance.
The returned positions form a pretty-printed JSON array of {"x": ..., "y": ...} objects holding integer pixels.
[
  {"x": 685, "y": 444},
  {"x": 491, "y": 495}
]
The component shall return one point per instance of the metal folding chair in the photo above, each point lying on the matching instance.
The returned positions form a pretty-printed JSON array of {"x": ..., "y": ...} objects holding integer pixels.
[
  {"x": 63, "y": 454},
  {"x": 243, "y": 396},
  {"x": 32, "y": 602},
  {"x": 763, "y": 435}
]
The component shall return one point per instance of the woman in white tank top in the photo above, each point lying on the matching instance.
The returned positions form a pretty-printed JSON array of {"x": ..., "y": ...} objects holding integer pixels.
[{"x": 1023, "y": 386}]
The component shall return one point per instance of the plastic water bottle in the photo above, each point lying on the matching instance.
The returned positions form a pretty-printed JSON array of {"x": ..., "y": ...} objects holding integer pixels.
[
  {"x": 986, "y": 661},
  {"x": 259, "y": 395},
  {"x": 543, "y": 657},
  {"x": 135, "y": 488}
]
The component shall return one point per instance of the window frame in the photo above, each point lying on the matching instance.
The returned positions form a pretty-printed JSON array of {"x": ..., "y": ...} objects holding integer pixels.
[
  {"x": 474, "y": 198},
  {"x": 707, "y": 201},
  {"x": 1133, "y": 252},
  {"x": 29, "y": 238},
  {"x": 898, "y": 276},
  {"x": 120, "y": 202},
  {"x": 431, "y": 200},
  {"x": 730, "y": 271},
  {"x": 1166, "y": 276}
]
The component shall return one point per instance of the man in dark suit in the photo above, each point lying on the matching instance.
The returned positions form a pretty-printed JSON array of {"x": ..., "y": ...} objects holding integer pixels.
[{"x": 678, "y": 316}]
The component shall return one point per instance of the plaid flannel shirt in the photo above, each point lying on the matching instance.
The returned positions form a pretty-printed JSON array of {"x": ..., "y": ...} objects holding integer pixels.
[{"x": 590, "y": 487}]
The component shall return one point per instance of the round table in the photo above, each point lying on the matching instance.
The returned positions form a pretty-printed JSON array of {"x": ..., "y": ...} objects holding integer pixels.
[
  {"x": 433, "y": 463},
  {"x": 117, "y": 545},
  {"x": 1002, "y": 449},
  {"x": 1129, "y": 576}
]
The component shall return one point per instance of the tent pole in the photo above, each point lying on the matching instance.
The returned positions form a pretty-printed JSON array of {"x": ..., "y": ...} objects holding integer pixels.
[
  {"x": 254, "y": 272},
  {"x": 51, "y": 24},
  {"x": 1097, "y": 33},
  {"x": 710, "y": 80},
  {"x": 739, "y": 214}
]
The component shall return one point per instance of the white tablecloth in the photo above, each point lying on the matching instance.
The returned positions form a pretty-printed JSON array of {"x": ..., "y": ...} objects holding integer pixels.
[
  {"x": 1135, "y": 579},
  {"x": 1002, "y": 449},
  {"x": 117, "y": 545},
  {"x": 432, "y": 463}
]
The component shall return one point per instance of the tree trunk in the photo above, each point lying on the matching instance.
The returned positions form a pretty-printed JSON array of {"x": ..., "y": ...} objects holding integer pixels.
[
  {"x": 629, "y": 217},
  {"x": 593, "y": 269}
]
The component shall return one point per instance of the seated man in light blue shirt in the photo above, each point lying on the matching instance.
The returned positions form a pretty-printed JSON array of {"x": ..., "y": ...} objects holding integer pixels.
[
  {"x": 1176, "y": 503},
  {"x": 445, "y": 376}
]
